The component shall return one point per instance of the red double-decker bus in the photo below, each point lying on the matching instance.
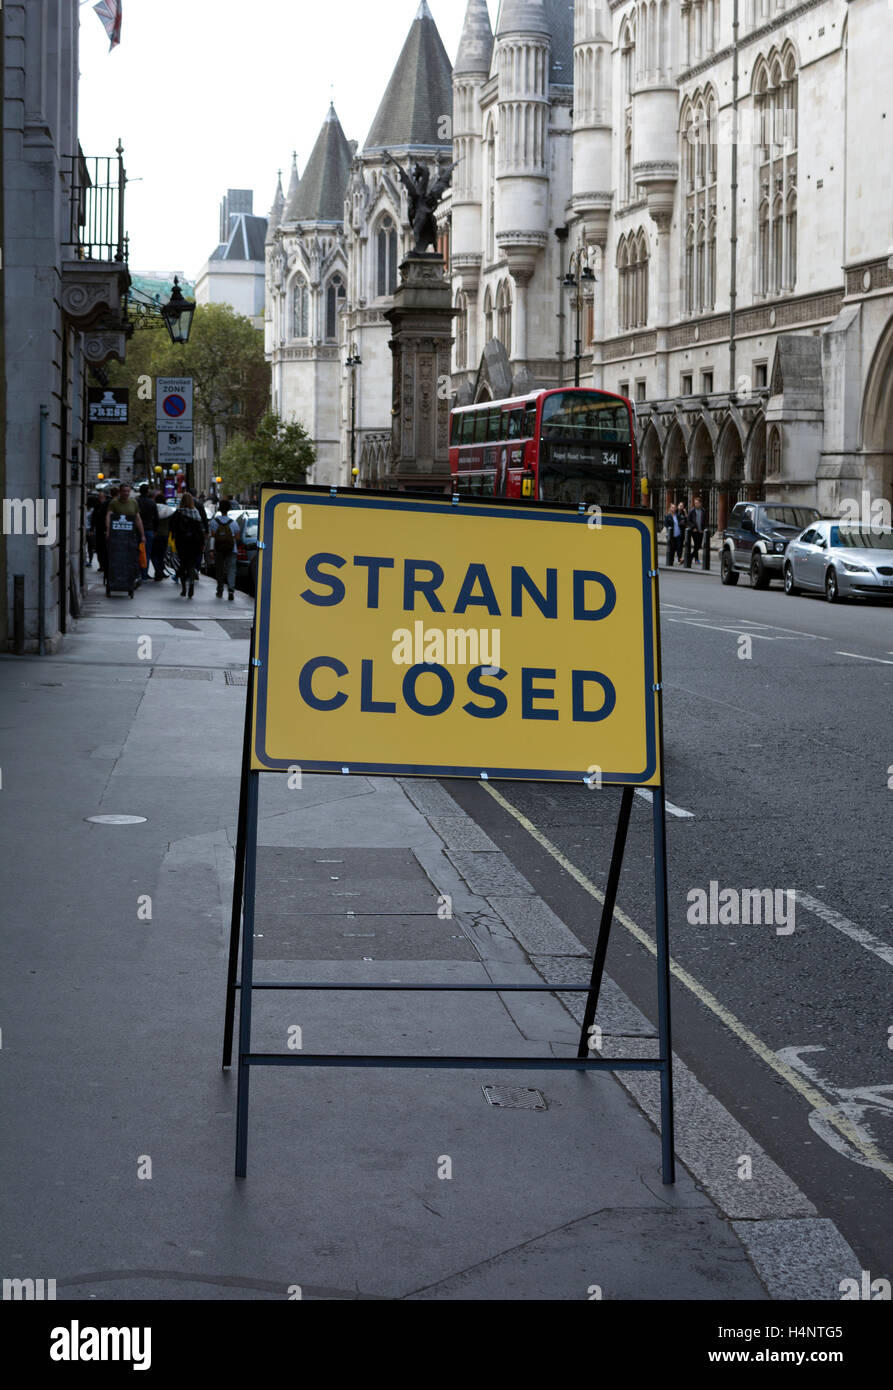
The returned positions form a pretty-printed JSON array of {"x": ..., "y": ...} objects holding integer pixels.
[{"x": 573, "y": 444}]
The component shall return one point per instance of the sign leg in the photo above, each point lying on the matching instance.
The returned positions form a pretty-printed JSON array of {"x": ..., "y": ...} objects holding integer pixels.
[
  {"x": 604, "y": 931},
  {"x": 239, "y": 881},
  {"x": 663, "y": 986},
  {"x": 247, "y": 975}
]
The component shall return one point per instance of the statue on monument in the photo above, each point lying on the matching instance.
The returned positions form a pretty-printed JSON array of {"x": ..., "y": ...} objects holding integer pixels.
[{"x": 423, "y": 199}]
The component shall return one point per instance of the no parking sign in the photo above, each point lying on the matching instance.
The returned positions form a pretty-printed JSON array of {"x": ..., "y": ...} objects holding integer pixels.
[{"x": 173, "y": 402}]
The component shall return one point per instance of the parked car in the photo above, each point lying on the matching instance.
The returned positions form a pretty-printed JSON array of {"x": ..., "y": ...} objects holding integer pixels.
[
  {"x": 756, "y": 537},
  {"x": 246, "y": 549},
  {"x": 841, "y": 560}
]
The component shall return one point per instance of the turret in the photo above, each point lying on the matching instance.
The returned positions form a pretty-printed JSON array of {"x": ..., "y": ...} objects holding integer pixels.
[
  {"x": 592, "y": 173},
  {"x": 471, "y": 71}
]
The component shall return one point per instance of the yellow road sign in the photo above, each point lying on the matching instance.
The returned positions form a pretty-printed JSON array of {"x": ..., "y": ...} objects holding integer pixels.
[{"x": 399, "y": 634}]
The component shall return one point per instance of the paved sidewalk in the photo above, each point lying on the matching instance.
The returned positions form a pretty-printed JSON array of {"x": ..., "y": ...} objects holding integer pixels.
[{"x": 119, "y": 1138}]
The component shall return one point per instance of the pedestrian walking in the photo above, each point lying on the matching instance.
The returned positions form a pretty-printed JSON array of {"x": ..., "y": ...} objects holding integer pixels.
[
  {"x": 682, "y": 519},
  {"x": 123, "y": 506},
  {"x": 673, "y": 529},
  {"x": 189, "y": 538},
  {"x": 697, "y": 525},
  {"x": 148, "y": 509},
  {"x": 159, "y": 544},
  {"x": 92, "y": 503},
  {"x": 100, "y": 512},
  {"x": 224, "y": 531}
]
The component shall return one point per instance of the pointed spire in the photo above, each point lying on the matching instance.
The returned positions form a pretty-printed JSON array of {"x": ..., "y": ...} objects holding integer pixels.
[
  {"x": 276, "y": 210},
  {"x": 320, "y": 194},
  {"x": 419, "y": 94},
  {"x": 476, "y": 44},
  {"x": 294, "y": 180}
]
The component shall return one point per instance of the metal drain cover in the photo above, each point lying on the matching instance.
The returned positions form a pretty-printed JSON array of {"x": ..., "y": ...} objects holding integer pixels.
[
  {"x": 181, "y": 673},
  {"x": 515, "y": 1097},
  {"x": 236, "y": 677}
]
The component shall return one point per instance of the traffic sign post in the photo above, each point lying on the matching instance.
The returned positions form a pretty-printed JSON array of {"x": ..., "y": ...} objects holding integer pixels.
[
  {"x": 174, "y": 446},
  {"x": 433, "y": 636},
  {"x": 173, "y": 402}
]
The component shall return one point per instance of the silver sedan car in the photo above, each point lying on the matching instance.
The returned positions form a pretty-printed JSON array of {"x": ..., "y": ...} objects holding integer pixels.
[{"x": 841, "y": 560}]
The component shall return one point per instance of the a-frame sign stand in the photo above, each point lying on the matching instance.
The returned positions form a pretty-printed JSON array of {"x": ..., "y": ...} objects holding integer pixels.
[{"x": 244, "y": 890}]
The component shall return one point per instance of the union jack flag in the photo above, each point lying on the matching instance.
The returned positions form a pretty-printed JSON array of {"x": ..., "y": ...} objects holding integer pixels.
[{"x": 109, "y": 12}]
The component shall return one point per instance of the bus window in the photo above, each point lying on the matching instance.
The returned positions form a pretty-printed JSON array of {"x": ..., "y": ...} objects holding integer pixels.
[
  {"x": 494, "y": 421},
  {"x": 529, "y": 422},
  {"x": 480, "y": 427},
  {"x": 467, "y": 436},
  {"x": 515, "y": 421}
]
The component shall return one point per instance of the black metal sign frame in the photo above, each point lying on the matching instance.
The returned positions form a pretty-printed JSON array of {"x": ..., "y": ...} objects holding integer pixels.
[{"x": 243, "y": 982}]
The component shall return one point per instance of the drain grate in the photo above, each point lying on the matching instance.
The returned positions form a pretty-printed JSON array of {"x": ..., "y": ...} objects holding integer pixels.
[
  {"x": 515, "y": 1097},
  {"x": 236, "y": 675},
  {"x": 181, "y": 673}
]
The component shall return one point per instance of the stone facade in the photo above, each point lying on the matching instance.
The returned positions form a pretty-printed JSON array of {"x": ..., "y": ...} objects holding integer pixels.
[
  {"x": 61, "y": 296},
  {"x": 790, "y": 395}
]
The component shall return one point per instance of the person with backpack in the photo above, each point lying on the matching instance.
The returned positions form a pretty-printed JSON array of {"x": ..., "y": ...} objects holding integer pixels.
[
  {"x": 224, "y": 531},
  {"x": 189, "y": 538}
]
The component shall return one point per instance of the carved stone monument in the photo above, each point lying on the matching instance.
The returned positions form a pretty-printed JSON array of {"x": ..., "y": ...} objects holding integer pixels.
[{"x": 421, "y": 340}]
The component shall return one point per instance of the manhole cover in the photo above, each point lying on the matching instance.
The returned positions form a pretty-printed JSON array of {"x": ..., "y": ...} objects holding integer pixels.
[
  {"x": 237, "y": 677},
  {"x": 515, "y": 1097},
  {"x": 117, "y": 820},
  {"x": 181, "y": 673}
]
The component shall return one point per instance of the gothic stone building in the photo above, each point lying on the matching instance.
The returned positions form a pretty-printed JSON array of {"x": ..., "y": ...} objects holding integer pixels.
[
  {"x": 727, "y": 186},
  {"x": 744, "y": 287}
]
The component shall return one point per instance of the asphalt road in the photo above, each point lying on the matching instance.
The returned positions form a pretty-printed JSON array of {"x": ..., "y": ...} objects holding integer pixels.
[{"x": 784, "y": 758}]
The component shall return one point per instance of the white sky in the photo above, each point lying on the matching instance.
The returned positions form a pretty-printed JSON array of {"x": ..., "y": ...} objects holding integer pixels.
[{"x": 214, "y": 94}]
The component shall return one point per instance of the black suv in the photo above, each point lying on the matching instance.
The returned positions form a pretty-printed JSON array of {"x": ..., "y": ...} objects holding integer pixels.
[{"x": 756, "y": 538}]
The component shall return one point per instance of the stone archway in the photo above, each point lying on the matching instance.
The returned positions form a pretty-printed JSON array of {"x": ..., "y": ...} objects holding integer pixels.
[
  {"x": 702, "y": 471},
  {"x": 651, "y": 466},
  {"x": 729, "y": 469},
  {"x": 755, "y": 462},
  {"x": 877, "y": 420},
  {"x": 675, "y": 466}
]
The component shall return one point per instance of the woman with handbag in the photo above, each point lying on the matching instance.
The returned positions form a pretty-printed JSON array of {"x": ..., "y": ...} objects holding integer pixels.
[{"x": 189, "y": 538}]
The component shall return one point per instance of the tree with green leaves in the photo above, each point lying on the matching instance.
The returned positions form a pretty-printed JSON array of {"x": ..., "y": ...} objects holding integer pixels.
[
  {"x": 278, "y": 451},
  {"x": 230, "y": 378}
]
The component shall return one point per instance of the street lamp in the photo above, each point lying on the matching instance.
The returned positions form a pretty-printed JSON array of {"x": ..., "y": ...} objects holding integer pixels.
[
  {"x": 177, "y": 312},
  {"x": 353, "y": 361},
  {"x": 580, "y": 283}
]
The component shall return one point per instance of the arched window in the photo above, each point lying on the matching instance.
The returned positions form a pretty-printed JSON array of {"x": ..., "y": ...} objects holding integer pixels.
[
  {"x": 461, "y": 330},
  {"x": 623, "y": 314},
  {"x": 488, "y": 316},
  {"x": 334, "y": 302},
  {"x": 491, "y": 195},
  {"x": 642, "y": 255},
  {"x": 628, "y": 61},
  {"x": 775, "y": 104},
  {"x": 699, "y": 160},
  {"x": 300, "y": 308},
  {"x": 791, "y": 239},
  {"x": 386, "y": 246},
  {"x": 504, "y": 315}
]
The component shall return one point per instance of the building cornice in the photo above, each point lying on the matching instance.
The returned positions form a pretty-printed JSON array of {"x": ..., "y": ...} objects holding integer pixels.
[{"x": 755, "y": 36}]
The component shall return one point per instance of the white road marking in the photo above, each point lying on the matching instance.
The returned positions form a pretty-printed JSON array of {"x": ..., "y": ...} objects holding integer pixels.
[
  {"x": 860, "y": 657},
  {"x": 736, "y": 631},
  {"x": 680, "y": 608},
  {"x": 852, "y": 1101},
  {"x": 843, "y": 924},
  {"x": 671, "y": 809},
  {"x": 836, "y": 1117}
]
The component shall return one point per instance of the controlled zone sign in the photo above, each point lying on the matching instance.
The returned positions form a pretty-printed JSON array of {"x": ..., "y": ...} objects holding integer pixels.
[
  {"x": 407, "y": 635},
  {"x": 173, "y": 402}
]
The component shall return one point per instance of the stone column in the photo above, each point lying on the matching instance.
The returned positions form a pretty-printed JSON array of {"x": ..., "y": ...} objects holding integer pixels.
[{"x": 421, "y": 340}]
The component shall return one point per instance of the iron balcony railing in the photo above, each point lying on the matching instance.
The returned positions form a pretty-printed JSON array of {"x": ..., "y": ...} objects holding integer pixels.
[{"x": 96, "y": 196}]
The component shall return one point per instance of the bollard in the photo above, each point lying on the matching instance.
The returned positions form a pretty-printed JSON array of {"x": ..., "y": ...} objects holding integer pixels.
[
  {"x": 686, "y": 553},
  {"x": 18, "y": 613},
  {"x": 705, "y": 551}
]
